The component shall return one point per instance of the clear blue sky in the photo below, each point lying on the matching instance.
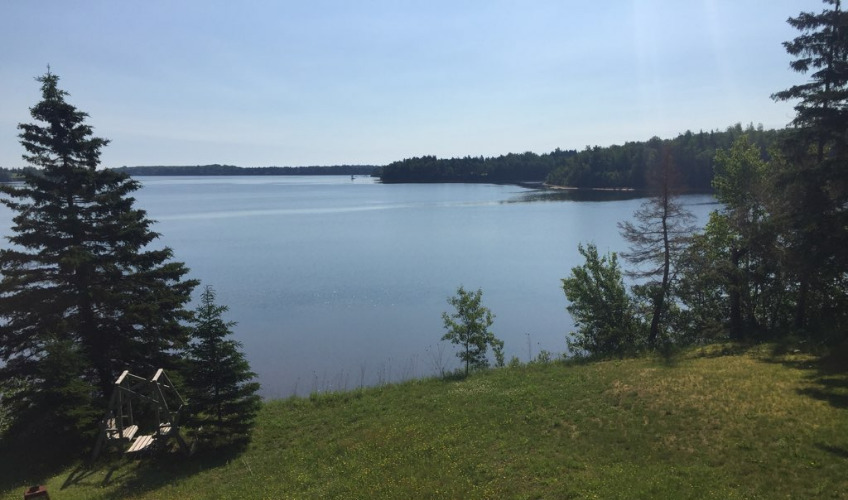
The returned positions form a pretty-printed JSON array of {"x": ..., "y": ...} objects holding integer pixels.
[{"x": 323, "y": 82}]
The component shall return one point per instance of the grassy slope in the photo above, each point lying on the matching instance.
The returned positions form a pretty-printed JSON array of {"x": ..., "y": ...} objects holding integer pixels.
[{"x": 710, "y": 424}]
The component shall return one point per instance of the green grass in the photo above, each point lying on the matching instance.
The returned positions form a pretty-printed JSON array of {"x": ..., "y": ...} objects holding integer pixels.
[{"x": 715, "y": 422}]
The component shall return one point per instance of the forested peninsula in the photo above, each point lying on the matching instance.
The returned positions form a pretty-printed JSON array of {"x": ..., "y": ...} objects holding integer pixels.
[{"x": 614, "y": 167}]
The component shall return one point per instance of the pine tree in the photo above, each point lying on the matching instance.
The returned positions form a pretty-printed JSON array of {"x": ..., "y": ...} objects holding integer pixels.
[
  {"x": 79, "y": 288},
  {"x": 222, "y": 394},
  {"x": 812, "y": 178},
  {"x": 822, "y": 102}
]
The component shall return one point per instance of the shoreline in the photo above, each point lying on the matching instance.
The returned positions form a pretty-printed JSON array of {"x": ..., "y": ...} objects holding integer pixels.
[{"x": 573, "y": 188}]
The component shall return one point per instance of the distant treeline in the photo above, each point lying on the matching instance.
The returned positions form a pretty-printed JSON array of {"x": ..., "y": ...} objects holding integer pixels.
[
  {"x": 234, "y": 170},
  {"x": 525, "y": 167},
  {"x": 613, "y": 167},
  {"x": 627, "y": 166},
  {"x": 12, "y": 174}
]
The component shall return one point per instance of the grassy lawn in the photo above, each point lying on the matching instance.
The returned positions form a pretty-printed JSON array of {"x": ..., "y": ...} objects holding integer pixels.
[{"x": 713, "y": 422}]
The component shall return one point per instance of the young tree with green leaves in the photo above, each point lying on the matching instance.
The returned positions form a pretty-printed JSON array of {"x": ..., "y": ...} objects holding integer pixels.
[
  {"x": 602, "y": 311},
  {"x": 79, "y": 288},
  {"x": 703, "y": 286},
  {"x": 221, "y": 388},
  {"x": 468, "y": 327},
  {"x": 744, "y": 226}
]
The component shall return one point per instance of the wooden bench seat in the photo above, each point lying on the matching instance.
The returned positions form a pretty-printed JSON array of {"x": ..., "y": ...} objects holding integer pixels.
[
  {"x": 128, "y": 434},
  {"x": 141, "y": 443}
]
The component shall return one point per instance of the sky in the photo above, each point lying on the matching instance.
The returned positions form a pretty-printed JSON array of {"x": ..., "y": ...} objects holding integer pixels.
[{"x": 328, "y": 82}]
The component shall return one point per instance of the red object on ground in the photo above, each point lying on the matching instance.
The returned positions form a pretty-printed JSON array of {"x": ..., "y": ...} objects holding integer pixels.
[{"x": 39, "y": 492}]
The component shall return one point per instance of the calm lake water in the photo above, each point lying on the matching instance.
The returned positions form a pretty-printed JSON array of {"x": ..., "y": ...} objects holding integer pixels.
[{"x": 337, "y": 283}]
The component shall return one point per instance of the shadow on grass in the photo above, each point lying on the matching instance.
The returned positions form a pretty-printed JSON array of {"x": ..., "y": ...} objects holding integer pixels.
[
  {"x": 834, "y": 390},
  {"x": 455, "y": 376},
  {"x": 30, "y": 462},
  {"x": 671, "y": 355},
  {"x": 721, "y": 350},
  {"x": 160, "y": 470},
  {"x": 836, "y": 450},
  {"x": 828, "y": 372},
  {"x": 134, "y": 476},
  {"x": 86, "y": 473}
]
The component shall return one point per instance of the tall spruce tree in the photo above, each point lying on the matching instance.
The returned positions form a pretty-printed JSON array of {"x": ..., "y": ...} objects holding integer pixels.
[
  {"x": 79, "y": 287},
  {"x": 222, "y": 394},
  {"x": 812, "y": 177}
]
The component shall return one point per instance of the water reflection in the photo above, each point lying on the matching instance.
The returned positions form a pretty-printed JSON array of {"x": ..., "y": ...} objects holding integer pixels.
[
  {"x": 559, "y": 195},
  {"x": 586, "y": 195}
]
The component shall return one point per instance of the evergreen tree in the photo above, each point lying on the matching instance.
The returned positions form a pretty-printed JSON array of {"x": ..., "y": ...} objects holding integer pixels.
[
  {"x": 822, "y": 47},
  {"x": 222, "y": 394},
  {"x": 468, "y": 327},
  {"x": 78, "y": 287},
  {"x": 812, "y": 177}
]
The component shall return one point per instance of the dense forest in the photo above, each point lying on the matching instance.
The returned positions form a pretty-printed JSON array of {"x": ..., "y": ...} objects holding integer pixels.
[
  {"x": 510, "y": 168},
  {"x": 693, "y": 155},
  {"x": 613, "y": 167},
  {"x": 234, "y": 170}
]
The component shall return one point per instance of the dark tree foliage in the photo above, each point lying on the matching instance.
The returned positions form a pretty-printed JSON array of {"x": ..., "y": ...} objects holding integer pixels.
[
  {"x": 773, "y": 260},
  {"x": 510, "y": 168},
  {"x": 732, "y": 274},
  {"x": 749, "y": 257},
  {"x": 812, "y": 212},
  {"x": 603, "y": 312},
  {"x": 703, "y": 288},
  {"x": 822, "y": 47},
  {"x": 468, "y": 327},
  {"x": 613, "y": 167},
  {"x": 222, "y": 392},
  {"x": 629, "y": 166},
  {"x": 79, "y": 290},
  {"x": 657, "y": 240}
]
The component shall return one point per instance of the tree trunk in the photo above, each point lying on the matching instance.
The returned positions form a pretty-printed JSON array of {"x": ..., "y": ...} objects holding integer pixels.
[
  {"x": 735, "y": 297},
  {"x": 801, "y": 305},
  {"x": 659, "y": 300}
]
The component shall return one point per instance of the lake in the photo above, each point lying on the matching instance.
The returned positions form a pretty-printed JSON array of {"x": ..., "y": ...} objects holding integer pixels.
[{"x": 337, "y": 283}]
